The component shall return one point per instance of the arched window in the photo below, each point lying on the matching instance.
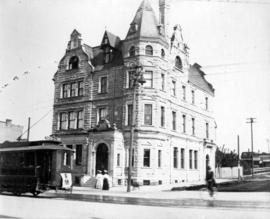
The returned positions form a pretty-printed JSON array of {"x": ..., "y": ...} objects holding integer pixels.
[
  {"x": 73, "y": 62},
  {"x": 162, "y": 53},
  {"x": 178, "y": 62},
  {"x": 149, "y": 50},
  {"x": 132, "y": 51}
]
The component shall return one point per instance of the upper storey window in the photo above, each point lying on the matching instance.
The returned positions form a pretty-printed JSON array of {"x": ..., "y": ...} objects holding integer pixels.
[
  {"x": 162, "y": 53},
  {"x": 72, "y": 89},
  {"x": 149, "y": 50},
  {"x": 108, "y": 55},
  {"x": 178, "y": 62},
  {"x": 132, "y": 51},
  {"x": 73, "y": 63}
]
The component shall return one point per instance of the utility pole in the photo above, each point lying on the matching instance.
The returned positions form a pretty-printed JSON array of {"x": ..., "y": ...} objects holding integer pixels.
[
  {"x": 28, "y": 129},
  {"x": 238, "y": 152},
  {"x": 251, "y": 121},
  {"x": 137, "y": 81}
]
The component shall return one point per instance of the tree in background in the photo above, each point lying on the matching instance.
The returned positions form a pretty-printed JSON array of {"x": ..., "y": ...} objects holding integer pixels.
[{"x": 225, "y": 157}]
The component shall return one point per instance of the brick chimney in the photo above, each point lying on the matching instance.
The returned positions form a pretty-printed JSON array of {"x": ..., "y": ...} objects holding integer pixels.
[{"x": 164, "y": 15}]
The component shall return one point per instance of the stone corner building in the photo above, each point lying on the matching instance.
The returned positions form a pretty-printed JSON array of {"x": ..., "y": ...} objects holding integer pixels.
[{"x": 174, "y": 126}]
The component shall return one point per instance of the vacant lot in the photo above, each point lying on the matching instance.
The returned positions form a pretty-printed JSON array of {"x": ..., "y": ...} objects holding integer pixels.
[{"x": 257, "y": 183}]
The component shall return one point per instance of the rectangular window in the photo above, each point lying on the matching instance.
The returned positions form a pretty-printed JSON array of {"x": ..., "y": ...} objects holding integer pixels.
[
  {"x": 130, "y": 79},
  {"x": 184, "y": 92},
  {"x": 162, "y": 116},
  {"x": 173, "y": 120},
  {"x": 63, "y": 121},
  {"x": 173, "y": 88},
  {"x": 80, "y": 120},
  {"x": 162, "y": 82},
  {"x": 159, "y": 158},
  {"x": 148, "y": 114},
  {"x": 146, "y": 158},
  {"x": 193, "y": 97},
  {"x": 103, "y": 85},
  {"x": 195, "y": 159},
  {"x": 73, "y": 89},
  {"x": 207, "y": 130},
  {"x": 132, "y": 157},
  {"x": 78, "y": 154},
  {"x": 66, "y": 90},
  {"x": 72, "y": 120},
  {"x": 190, "y": 159},
  {"x": 129, "y": 114},
  {"x": 102, "y": 113},
  {"x": 184, "y": 123},
  {"x": 148, "y": 76},
  {"x": 175, "y": 157},
  {"x": 182, "y": 158},
  {"x": 118, "y": 160},
  {"x": 193, "y": 126},
  {"x": 80, "y": 88}
]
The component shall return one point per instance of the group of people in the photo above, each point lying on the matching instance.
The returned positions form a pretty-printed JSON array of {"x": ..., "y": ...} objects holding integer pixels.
[{"x": 103, "y": 180}]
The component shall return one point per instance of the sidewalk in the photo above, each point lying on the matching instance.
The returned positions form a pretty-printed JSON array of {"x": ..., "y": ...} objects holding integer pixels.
[{"x": 164, "y": 192}]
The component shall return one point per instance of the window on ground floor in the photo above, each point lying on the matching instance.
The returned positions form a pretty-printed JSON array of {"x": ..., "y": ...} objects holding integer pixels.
[{"x": 146, "y": 158}]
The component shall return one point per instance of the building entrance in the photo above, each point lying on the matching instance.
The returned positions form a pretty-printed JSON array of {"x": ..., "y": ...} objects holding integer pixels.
[{"x": 102, "y": 157}]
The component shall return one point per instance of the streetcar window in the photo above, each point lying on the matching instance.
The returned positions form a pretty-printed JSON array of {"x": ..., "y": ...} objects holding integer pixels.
[{"x": 29, "y": 159}]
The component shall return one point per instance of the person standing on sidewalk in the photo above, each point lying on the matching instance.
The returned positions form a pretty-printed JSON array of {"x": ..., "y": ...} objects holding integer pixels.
[
  {"x": 99, "y": 178},
  {"x": 106, "y": 181},
  {"x": 210, "y": 181}
]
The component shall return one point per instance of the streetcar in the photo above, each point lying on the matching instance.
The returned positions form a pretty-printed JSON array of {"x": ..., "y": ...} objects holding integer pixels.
[{"x": 34, "y": 166}]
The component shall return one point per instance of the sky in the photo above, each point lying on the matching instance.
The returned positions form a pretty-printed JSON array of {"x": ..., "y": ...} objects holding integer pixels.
[{"x": 229, "y": 39}]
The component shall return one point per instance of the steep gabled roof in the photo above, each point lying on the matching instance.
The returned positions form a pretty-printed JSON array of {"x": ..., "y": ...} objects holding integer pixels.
[
  {"x": 196, "y": 77},
  {"x": 113, "y": 39},
  {"x": 145, "y": 23},
  {"x": 88, "y": 50}
]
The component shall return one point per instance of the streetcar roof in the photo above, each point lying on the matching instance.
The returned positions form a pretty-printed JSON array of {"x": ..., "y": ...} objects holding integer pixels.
[{"x": 35, "y": 148}]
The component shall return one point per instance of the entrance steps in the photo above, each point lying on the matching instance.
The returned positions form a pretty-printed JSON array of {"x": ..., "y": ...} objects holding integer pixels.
[{"x": 88, "y": 181}]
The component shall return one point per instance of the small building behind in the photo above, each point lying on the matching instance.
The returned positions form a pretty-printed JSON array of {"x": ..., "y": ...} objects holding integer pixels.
[{"x": 9, "y": 131}]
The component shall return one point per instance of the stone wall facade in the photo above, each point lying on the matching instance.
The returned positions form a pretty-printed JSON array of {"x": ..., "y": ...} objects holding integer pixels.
[{"x": 178, "y": 139}]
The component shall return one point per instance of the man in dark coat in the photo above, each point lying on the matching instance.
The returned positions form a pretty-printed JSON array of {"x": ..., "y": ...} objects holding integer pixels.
[{"x": 210, "y": 181}]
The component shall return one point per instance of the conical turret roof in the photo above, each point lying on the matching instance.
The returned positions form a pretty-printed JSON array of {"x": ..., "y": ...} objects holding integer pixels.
[{"x": 145, "y": 23}]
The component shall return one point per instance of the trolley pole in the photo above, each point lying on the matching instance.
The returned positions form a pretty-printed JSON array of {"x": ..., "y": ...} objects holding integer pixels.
[
  {"x": 28, "y": 129},
  {"x": 251, "y": 121}
]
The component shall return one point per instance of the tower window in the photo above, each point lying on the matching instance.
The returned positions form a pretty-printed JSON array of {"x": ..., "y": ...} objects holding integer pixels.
[
  {"x": 162, "y": 53},
  {"x": 73, "y": 63},
  {"x": 146, "y": 158},
  {"x": 132, "y": 51},
  {"x": 178, "y": 62},
  {"x": 149, "y": 50}
]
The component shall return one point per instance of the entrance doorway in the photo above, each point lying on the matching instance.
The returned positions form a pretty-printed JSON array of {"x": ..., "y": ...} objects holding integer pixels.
[{"x": 102, "y": 156}]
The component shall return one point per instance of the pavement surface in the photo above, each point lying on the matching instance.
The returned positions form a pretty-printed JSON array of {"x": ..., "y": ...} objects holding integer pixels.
[{"x": 157, "y": 202}]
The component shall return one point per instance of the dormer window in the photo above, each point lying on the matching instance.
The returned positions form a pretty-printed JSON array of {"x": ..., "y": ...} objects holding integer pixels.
[
  {"x": 108, "y": 55},
  {"x": 132, "y": 51},
  {"x": 133, "y": 27},
  {"x": 73, "y": 63},
  {"x": 149, "y": 50},
  {"x": 178, "y": 62},
  {"x": 106, "y": 41}
]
